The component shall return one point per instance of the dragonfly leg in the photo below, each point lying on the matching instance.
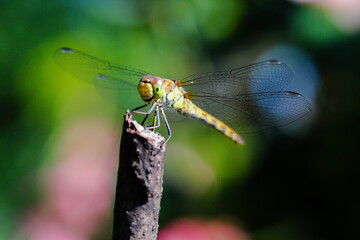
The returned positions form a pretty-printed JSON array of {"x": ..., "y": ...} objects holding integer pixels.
[
  {"x": 156, "y": 119},
  {"x": 166, "y": 124},
  {"x": 145, "y": 113},
  {"x": 135, "y": 109},
  {"x": 145, "y": 118}
]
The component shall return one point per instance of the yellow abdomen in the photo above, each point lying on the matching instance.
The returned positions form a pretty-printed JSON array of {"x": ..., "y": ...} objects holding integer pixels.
[{"x": 190, "y": 109}]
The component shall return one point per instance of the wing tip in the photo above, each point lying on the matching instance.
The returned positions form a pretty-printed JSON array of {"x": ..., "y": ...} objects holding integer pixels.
[
  {"x": 291, "y": 93},
  {"x": 100, "y": 77},
  {"x": 59, "y": 53},
  {"x": 66, "y": 50},
  {"x": 295, "y": 94},
  {"x": 274, "y": 62}
]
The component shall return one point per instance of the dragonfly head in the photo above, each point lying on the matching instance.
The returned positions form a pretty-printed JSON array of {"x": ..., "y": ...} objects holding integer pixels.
[{"x": 151, "y": 87}]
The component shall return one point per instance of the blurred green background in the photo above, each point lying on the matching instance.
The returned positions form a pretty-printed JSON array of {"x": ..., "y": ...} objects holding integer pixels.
[{"x": 59, "y": 139}]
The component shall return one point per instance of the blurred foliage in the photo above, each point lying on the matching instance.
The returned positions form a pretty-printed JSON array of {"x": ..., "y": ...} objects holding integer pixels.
[{"x": 299, "y": 184}]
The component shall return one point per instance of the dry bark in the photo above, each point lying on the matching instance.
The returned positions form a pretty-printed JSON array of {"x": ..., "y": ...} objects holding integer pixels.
[{"x": 139, "y": 183}]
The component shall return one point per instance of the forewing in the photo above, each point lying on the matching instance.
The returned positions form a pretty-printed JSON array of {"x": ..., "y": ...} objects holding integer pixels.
[
  {"x": 254, "y": 112},
  {"x": 121, "y": 93},
  {"x": 266, "y": 76},
  {"x": 115, "y": 82}
]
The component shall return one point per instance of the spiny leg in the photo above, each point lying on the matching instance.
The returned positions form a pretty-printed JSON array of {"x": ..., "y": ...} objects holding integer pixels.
[
  {"x": 145, "y": 118},
  {"x": 166, "y": 124},
  {"x": 156, "y": 119},
  {"x": 137, "y": 108},
  {"x": 145, "y": 113}
]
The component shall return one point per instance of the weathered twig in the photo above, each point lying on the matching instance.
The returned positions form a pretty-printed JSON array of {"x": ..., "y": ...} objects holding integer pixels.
[{"x": 139, "y": 183}]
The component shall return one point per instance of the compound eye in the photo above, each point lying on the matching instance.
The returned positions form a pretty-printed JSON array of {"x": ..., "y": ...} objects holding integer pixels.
[
  {"x": 145, "y": 90},
  {"x": 145, "y": 80}
]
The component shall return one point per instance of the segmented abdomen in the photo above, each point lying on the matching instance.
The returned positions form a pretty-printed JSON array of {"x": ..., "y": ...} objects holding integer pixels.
[{"x": 190, "y": 109}]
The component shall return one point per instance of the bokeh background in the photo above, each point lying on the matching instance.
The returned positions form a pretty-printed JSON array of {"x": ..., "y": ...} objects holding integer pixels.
[{"x": 59, "y": 139}]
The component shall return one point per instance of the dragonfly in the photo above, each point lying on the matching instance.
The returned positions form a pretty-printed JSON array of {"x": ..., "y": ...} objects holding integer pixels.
[{"x": 242, "y": 100}]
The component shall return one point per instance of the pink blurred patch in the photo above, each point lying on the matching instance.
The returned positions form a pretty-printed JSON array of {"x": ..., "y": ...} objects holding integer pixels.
[
  {"x": 345, "y": 13},
  {"x": 42, "y": 227},
  {"x": 79, "y": 188},
  {"x": 188, "y": 229}
]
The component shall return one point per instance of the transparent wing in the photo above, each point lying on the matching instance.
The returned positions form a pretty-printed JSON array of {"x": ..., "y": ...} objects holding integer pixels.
[
  {"x": 266, "y": 76},
  {"x": 256, "y": 111},
  {"x": 248, "y": 98},
  {"x": 115, "y": 82},
  {"x": 174, "y": 116}
]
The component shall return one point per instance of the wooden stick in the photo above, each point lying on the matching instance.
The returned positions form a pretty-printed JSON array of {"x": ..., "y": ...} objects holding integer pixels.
[{"x": 139, "y": 182}]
